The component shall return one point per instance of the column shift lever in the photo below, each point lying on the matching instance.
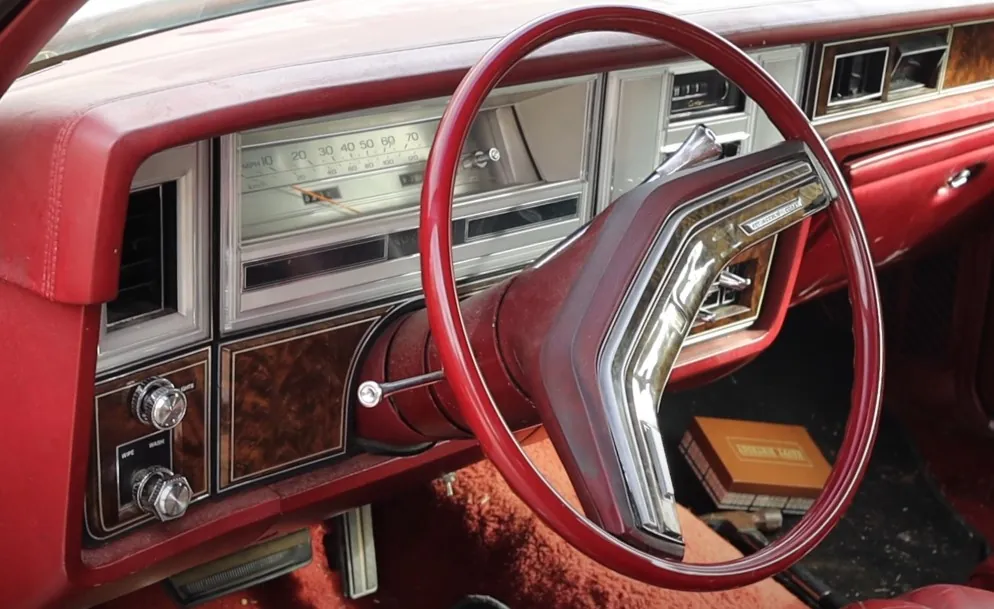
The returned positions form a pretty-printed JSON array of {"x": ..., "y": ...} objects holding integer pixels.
[{"x": 700, "y": 147}]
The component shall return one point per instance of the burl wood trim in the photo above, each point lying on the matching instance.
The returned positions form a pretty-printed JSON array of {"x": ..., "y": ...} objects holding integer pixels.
[
  {"x": 283, "y": 402},
  {"x": 114, "y": 424},
  {"x": 759, "y": 259},
  {"x": 971, "y": 55}
]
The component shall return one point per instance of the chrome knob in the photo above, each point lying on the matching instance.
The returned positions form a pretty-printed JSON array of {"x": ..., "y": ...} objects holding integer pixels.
[
  {"x": 161, "y": 493},
  {"x": 731, "y": 281},
  {"x": 159, "y": 403}
]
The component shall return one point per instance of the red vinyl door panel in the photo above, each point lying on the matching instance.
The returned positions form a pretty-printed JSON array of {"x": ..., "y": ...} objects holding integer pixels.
[{"x": 905, "y": 197}]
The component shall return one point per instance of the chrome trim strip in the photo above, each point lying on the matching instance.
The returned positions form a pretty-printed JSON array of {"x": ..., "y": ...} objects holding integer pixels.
[
  {"x": 658, "y": 312},
  {"x": 189, "y": 167},
  {"x": 875, "y": 158}
]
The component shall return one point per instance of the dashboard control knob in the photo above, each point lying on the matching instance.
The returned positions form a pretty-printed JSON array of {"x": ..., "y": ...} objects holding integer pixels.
[
  {"x": 162, "y": 493},
  {"x": 159, "y": 403}
]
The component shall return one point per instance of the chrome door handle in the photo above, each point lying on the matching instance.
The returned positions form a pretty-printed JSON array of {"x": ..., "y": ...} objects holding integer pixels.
[{"x": 960, "y": 179}]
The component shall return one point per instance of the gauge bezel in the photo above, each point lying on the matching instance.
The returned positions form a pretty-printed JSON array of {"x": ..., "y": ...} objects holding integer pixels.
[
  {"x": 242, "y": 309},
  {"x": 189, "y": 167}
]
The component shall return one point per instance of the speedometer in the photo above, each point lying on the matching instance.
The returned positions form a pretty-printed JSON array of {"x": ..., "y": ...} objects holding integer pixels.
[{"x": 291, "y": 184}]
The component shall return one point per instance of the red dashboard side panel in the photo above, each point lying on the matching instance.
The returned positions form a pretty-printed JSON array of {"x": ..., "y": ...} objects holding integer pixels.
[
  {"x": 48, "y": 361},
  {"x": 904, "y": 199}
]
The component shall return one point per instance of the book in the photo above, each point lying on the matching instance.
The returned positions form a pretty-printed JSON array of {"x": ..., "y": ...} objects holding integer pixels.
[{"x": 747, "y": 465}]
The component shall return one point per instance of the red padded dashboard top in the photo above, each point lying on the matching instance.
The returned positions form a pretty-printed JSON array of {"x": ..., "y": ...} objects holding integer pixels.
[{"x": 72, "y": 135}]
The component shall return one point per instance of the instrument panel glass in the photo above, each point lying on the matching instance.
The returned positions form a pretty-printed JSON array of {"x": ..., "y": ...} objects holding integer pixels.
[{"x": 329, "y": 177}]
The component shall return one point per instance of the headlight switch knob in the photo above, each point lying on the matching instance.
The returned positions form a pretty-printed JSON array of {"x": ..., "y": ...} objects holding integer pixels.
[{"x": 159, "y": 403}]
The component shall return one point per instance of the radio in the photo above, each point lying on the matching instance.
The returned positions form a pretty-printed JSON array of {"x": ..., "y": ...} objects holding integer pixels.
[{"x": 698, "y": 95}]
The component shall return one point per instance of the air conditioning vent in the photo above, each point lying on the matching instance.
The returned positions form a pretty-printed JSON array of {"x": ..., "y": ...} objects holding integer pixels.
[
  {"x": 858, "y": 77},
  {"x": 919, "y": 61},
  {"x": 147, "y": 283}
]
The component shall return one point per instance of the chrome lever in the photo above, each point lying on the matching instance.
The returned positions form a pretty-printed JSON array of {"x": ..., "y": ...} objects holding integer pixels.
[
  {"x": 700, "y": 147},
  {"x": 731, "y": 281},
  {"x": 372, "y": 393}
]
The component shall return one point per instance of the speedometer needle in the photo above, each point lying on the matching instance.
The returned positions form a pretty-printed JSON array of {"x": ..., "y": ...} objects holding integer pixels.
[{"x": 321, "y": 197}]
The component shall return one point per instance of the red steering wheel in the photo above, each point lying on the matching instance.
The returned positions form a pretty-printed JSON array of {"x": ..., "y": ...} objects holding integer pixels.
[{"x": 636, "y": 276}]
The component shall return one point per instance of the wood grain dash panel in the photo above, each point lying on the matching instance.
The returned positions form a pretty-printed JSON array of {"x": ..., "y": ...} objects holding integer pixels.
[
  {"x": 114, "y": 425},
  {"x": 971, "y": 55},
  {"x": 282, "y": 398}
]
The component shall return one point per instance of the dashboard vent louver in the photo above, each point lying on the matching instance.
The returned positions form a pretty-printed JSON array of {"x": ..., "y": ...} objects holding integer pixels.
[
  {"x": 147, "y": 280},
  {"x": 858, "y": 76},
  {"x": 918, "y": 63},
  {"x": 855, "y": 75}
]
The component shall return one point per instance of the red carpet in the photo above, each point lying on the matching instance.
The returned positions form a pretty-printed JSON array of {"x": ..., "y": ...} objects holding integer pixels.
[{"x": 434, "y": 549}]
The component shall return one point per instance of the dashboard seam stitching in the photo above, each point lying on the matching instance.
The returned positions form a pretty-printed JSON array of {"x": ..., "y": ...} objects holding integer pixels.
[{"x": 54, "y": 208}]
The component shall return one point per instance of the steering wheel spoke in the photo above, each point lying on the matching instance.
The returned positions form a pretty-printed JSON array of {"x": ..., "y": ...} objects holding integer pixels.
[
  {"x": 632, "y": 287},
  {"x": 692, "y": 246}
]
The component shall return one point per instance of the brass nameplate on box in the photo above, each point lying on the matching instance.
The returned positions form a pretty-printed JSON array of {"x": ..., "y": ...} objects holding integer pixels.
[{"x": 746, "y": 464}]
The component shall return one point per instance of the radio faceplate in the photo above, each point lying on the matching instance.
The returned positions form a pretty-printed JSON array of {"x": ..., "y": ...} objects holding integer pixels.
[{"x": 322, "y": 214}]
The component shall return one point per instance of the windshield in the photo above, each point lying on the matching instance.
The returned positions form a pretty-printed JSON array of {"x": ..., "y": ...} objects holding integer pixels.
[{"x": 101, "y": 23}]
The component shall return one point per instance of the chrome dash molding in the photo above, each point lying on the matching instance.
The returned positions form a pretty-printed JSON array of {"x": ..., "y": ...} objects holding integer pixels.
[
  {"x": 636, "y": 359},
  {"x": 189, "y": 167}
]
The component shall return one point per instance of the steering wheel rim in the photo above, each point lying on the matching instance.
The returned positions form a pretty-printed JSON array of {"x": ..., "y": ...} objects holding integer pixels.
[{"x": 466, "y": 380}]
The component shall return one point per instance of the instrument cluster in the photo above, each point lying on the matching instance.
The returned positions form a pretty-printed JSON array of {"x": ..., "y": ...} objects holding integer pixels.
[{"x": 322, "y": 214}]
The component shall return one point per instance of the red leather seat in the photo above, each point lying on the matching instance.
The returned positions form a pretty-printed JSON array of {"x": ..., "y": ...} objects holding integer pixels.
[{"x": 935, "y": 597}]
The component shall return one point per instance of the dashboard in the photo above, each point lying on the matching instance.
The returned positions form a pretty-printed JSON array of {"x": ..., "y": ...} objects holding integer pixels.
[
  {"x": 318, "y": 243},
  {"x": 239, "y": 233}
]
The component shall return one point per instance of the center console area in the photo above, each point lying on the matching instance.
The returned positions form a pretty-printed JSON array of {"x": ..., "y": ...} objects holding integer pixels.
[{"x": 257, "y": 267}]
